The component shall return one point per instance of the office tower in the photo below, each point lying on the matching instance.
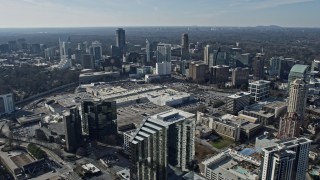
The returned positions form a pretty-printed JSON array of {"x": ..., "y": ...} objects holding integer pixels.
[
  {"x": 121, "y": 41},
  {"x": 22, "y": 44},
  {"x": 35, "y": 48},
  {"x": 12, "y": 45},
  {"x": 238, "y": 102},
  {"x": 49, "y": 54},
  {"x": 78, "y": 56},
  {"x": 315, "y": 66},
  {"x": 115, "y": 51},
  {"x": 183, "y": 64},
  {"x": 298, "y": 71},
  {"x": 198, "y": 71},
  {"x": 163, "y": 68},
  {"x": 275, "y": 63},
  {"x": 290, "y": 124},
  {"x": 258, "y": 67},
  {"x": 234, "y": 56},
  {"x": 148, "y": 51},
  {"x": 87, "y": 61},
  {"x": 163, "y": 53},
  {"x": 6, "y": 104},
  {"x": 162, "y": 139},
  {"x": 185, "y": 46},
  {"x": 99, "y": 119},
  {"x": 96, "y": 51},
  {"x": 219, "y": 74},
  {"x": 206, "y": 57},
  {"x": 72, "y": 128},
  {"x": 286, "y": 160},
  {"x": 65, "y": 48},
  {"x": 240, "y": 76},
  {"x": 4, "y": 48},
  {"x": 259, "y": 90}
]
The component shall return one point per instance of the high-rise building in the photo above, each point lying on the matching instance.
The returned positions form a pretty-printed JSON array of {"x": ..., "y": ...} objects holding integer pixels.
[
  {"x": 259, "y": 90},
  {"x": 49, "y": 54},
  {"x": 6, "y": 104},
  {"x": 12, "y": 45},
  {"x": 185, "y": 47},
  {"x": 72, "y": 127},
  {"x": 240, "y": 76},
  {"x": 163, "y": 68},
  {"x": 35, "y": 48},
  {"x": 185, "y": 41},
  {"x": 237, "y": 102},
  {"x": 183, "y": 64},
  {"x": 290, "y": 124},
  {"x": 315, "y": 66},
  {"x": 87, "y": 61},
  {"x": 219, "y": 74},
  {"x": 99, "y": 118},
  {"x": 96, "y": 51},
  {"x": 163, "y": 53},
  {"x": 22, "y": 44},
  {"x": 206, "y": 57},
  {"x": 258, "y": 67},
  {"x": 198, "y": 71},
  {"x": 298, "y": 71},
  {"x": 162, "y": 139},
  {"x": 286, "y": 160},
  {"x": 121, "y": 41},
  {"x": 78, "y": 56},
  {"x": 148, "y": 51},
  {"x": 65, "y": 48}
]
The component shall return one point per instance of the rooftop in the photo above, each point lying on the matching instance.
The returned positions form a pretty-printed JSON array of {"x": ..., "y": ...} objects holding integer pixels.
[
  {"x": 238, "y": 95},
  {"x": 299, "y": 68},
  {"x": 134, "y": 114},
  {"x": 232, "y": 163},
  {"x": 260, "y": 82}
]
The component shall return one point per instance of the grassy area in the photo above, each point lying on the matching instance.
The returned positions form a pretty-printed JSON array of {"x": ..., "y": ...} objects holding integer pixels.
[{"x": 222, "y": 143}]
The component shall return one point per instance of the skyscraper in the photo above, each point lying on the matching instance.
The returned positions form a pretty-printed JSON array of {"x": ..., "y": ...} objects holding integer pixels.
[
  {"x": 292, "y": 121},
  {"x": 258, "y": 67},
  {"x": 121, "y": 40},
  {"x": 49, "y": 54},
  {"x": 65, "y": 48},
  {"x": 185, "y": 46},
  {"x": 286, "y": 160},
  {"x": 96, "y": 52},
  {"x": 148, "y": 51},
  {"x": 87, "y": 61},
  {"x": 163, "y": 53},
  {"x": 298, "y": 71},
  {"x": 99, "y": 119},
  {"x": 240, "y": 76},
  {"x": 206, "y": 57},
  {"x": 165, "y": 138},
  {"x": 72, "y": 127}
]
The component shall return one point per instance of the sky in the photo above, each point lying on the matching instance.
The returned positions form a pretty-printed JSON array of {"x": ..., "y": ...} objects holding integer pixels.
[{"x": 115, "y": 13}]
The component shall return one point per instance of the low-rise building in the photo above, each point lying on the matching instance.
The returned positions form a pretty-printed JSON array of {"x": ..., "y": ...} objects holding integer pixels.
[
  {"x": 98, "y": 77},
  {"x": 259, "y": 90},
  {"x": 237, "y": 102},
  {"x": 230, "y": 164}
]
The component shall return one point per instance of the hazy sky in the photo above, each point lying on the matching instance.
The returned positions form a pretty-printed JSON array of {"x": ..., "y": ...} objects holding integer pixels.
[{"x": 82, "y": 13}]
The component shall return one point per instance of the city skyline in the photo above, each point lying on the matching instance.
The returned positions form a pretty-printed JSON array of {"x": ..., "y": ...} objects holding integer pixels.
[{"x": 107, "y": 13}]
